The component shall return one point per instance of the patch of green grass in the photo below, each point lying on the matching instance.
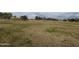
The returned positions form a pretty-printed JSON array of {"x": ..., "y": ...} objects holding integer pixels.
[{"x": 50, "y": 30}]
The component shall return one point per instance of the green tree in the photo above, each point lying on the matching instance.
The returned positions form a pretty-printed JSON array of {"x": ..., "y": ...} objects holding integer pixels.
[
  {"x": 38, "y": 18},
  {"x": 5, "y": 15},
  {"x": 24, "y": 17}
]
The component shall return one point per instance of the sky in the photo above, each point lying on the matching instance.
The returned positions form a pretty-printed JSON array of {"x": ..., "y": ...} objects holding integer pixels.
[{"x": 59, "y": 15}]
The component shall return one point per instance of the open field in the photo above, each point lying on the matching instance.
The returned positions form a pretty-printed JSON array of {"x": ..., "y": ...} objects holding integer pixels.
[{"x": 16, "y": 33}]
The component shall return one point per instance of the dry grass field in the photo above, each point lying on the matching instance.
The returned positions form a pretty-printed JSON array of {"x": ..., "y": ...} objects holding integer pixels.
[{"x": 14, "y": 33}]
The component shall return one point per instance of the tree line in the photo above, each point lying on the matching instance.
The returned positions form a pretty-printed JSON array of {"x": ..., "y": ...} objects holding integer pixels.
[
  {"x": 8, "y": 15},
  {"x": 5, "y": 15}
]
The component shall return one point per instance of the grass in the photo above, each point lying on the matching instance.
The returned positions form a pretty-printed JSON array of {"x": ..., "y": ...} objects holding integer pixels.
[
  {"x": 50, "y": 30},
  {"x": 14, "y": 33}
]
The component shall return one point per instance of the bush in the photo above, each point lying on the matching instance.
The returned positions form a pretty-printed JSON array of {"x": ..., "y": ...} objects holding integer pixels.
[
  {"x": 72, "y": 20},
  {"x": 24, "y": 17}
]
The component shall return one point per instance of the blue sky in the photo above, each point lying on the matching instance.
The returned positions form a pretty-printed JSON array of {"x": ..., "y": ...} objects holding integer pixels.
[{"x": 49, "y": 14}]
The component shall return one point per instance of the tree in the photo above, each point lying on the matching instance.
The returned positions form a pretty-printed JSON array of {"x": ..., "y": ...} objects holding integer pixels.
[
  {"x": 5, "y": 15},
  {"x": 53, "y": 19},
  {"x": 1, "y": 14},
  {"x": 73, "y": 19},
  {"x": 64, "y": 19},
  {"x": 24, "y": 17},
  {"x": 38, "y": 18}
]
